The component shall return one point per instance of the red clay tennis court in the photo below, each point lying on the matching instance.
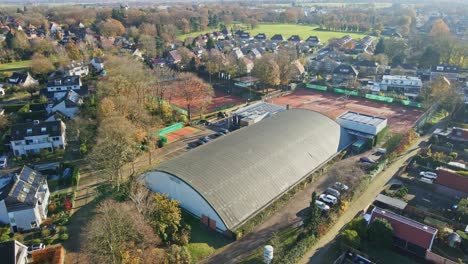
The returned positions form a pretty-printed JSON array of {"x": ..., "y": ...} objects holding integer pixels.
[
  {"x": 400, "y": 118},
  {"x": 219, "y": 100},
  {"x": 173, "y": 136}
]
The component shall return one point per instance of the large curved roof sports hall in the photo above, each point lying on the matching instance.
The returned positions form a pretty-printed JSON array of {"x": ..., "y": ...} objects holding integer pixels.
[{"x": 239, "y": 174}]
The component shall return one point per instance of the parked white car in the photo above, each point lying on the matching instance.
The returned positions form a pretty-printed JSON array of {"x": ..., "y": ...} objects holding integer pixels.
[
  {"x": 341, "y": 186},
  {"x": 426, "y": 180},
  {"x": 428, "y": 174},
  {"x": 328, "y": 198},
  {"x": 322, "y": 205},
  {"x": 35, "y": 247}
]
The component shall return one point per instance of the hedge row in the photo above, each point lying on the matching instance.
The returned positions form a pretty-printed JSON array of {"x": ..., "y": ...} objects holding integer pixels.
[{"x": 296, "y": 253}]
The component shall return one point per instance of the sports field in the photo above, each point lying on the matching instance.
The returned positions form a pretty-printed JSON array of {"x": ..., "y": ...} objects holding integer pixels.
[
  {"x": 400, "y": 118},
  {"x": 304, "y": 31},
  {"x": 219, "y": 101},
  {"x": 14, "y": 66},
  {"x": 173, "y": 136}
]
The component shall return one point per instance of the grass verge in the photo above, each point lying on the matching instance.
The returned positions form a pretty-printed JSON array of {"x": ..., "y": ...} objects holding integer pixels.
[{"x": 14, "y": 66}]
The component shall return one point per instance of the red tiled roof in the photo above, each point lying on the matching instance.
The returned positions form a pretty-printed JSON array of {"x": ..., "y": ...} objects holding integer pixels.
[
  {"x": 407, "y": 229},
  {"x": 452, "y": 180}
]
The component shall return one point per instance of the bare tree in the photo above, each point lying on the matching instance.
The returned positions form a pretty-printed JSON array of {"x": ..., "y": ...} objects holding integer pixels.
[{"x": 194, "y": 91}]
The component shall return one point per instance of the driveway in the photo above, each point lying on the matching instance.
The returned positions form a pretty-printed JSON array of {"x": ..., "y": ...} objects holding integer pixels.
[{"x": 316, "y": 253}]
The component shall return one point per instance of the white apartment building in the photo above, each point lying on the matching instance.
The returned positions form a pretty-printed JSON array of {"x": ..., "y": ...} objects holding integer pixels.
[{"x": 407, "y": 85}]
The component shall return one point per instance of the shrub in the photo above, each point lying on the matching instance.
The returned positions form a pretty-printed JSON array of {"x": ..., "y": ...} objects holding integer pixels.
[
  {"x": 402, "y": 192},
  {"x": 297, "y": 252},
  {"x": 64, "y": 236},
  {"x": 49, "y": 241},
  {"x": 359, "y": 225},
  {"x": 454, "y": 155},
  {"x": 36, "y": 241},
  {"x": 63, "y": 229},
  {"x": 350, "y": 238},
  {"x": 45, "y": 233},
  {"x": 380, "y": 232},
  {"x": 52, "y": 207}
]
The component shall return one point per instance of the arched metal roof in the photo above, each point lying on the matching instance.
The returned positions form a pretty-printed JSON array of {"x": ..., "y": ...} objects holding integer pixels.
[{"x": 242, "y": 172}]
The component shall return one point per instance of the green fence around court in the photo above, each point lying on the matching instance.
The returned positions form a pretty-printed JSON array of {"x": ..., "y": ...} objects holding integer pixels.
[
  {"x": 411, "y": 103},
  {"x": 171, "y": 128},
  {"x": 379, "y": 98},
  {"x": 316, "y": 87},
  {"x": 347, "y": 92}
]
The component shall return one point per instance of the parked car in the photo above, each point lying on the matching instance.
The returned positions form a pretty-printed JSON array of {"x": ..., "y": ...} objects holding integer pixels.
[
  {"x": 205, "y": 139},
  {"x": 322, "y": 206},
  {"x": 224, "y": 130},
  {"x": 428, "y": 174},
  {"x": 382, "y": 151},
  {"x": 366, "y": 159},
  {"x": 341, "y": 186},
  {"x": 426, "y": 180},
  {"x": 328, "y": 198},
  {"x": 3, "y": 161},
  {"x": 35, "y": 247},
  {"x": 333, "y": 192}
]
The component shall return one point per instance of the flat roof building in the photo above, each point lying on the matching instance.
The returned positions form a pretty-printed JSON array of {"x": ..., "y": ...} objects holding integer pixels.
[
  {"x": 228, "y": 181},
  {"x": 254, "y": 113},
  {"x": 362, "y": 125},
  {"x": 407, "y": 85}
]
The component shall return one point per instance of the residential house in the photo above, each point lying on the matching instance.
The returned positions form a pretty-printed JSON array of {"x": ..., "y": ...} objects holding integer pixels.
[
  {"x": 453, "y": 134},
  {"x": 409, "y": 86},
  {"x": 249, "y": 64},
  {"x": 277, "y": 38},
  {"x": 448, "y": 71},
  {"x": 51, "y": 254},
  {"x": 97, "y": 64},
  {"x": 365, "y": 44},
  {"x": 452, "y": 179},
  {"x": 260, "y": 36},
  {"x": 32, "y": 137},
  {"x": 254, "y": 54},
  {"x": 24, "y": 197},
  {"x": 403, "y": 69},
  {"x": 367, "y": 67},
  {"x": 390, "y": 32},
  {"x": 57, "y": 87},
  {"x": 22, "y": 80},
  {"x": 295, "y": 39},
  {"x": 54, "y": 28},
  {"x": 174, "y": 57},
  {"x": 237, "y": 53},
  {"x": 68, "y": 106},
  {"x": 13, "y": 252},
  {"x": 341, "y": 42},
  {"x": 325, "y": 65},
  {"x": 313, "y": 41},
  {"x": 409, "y": 235},
  {"x": 344, "y": 73},
  {"x": 297, "y": 70},
  {"x": 76, "y": 69}
]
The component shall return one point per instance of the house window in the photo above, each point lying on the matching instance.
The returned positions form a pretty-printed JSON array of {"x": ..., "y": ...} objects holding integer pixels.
[
  {"x": 29, "y": 131},
  {"x": 43, "y": 129}
]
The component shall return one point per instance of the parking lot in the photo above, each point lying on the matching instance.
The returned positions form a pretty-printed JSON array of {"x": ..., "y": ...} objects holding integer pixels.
[{"x": 400, "y": 118}]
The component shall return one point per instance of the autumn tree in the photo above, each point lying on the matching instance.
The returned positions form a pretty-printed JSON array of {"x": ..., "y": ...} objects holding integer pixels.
[
  {"x": 111, "y": 28},
  {"x": 148, "y": 44},
  {"x": 267, "y": 70},
  {"x": 214, "y": 62},
  {"x": 165, "y": 216},
  {"x": 148, "y": 29},
  {"x": 72, "y": 51},
  {"x": 116, "y": 230},
  {"x": 350, "y": 238},
  {"x": 20, "y": 44},
  {"x": 115, "y": 146},
  {"x": 41, "y": 65},
  {"x": 194, "y": 92},
  {"x": 439, "y": 28}
]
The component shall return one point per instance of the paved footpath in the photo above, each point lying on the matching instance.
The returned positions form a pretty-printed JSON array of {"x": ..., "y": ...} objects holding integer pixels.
[{"x": 315, "y": 254}]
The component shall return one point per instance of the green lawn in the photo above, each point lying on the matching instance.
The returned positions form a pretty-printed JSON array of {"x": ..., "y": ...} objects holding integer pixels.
[
  {"x": 17, "y": 65},
  {"x": 304, "y": 31},
  {"x": 203, "y": 242}
]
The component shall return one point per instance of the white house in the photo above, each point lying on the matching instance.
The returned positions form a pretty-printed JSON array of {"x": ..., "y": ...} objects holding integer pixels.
[
  {"x": 13, "y": 252},
  {"x": 22, "y": 80},
  {"x": 60, "y": 85},
  {"x": 24, "y": 197},
  {"x": 29, "y": 138},
  {"x": 55, "y": 27},
  {"x": 67, "y": 106},
  {"x": 97, "y": 64},
  {"x": 76, "y": 69},
  {"x": 407, "y": 85}
]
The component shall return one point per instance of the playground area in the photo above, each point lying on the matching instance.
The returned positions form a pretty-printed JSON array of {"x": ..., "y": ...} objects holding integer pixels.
[
  {"x": 400, "y": 118},
  {"x": 219, "y": 102}
]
